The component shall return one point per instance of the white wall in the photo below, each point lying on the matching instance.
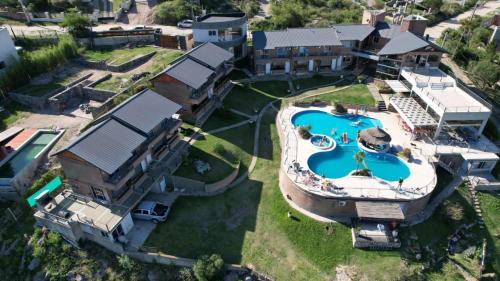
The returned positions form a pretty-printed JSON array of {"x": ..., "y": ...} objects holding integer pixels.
[
  {"x": 8, "y": 53},
  {"x": 127, "y": 223}
]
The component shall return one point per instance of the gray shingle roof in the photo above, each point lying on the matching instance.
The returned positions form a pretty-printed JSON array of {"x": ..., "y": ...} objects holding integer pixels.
[
  {"x": 107, "y": 146},
  {"x": 387, "y": 30},
  {"x": 145, "y": 110},
  {"x": 210, "y": 54},
  {"x": 353, "y": 31},
  {"x": 295, "y": 37},
  {"x": 190, "y": 73},
  {"x": 403, "y": 43}
]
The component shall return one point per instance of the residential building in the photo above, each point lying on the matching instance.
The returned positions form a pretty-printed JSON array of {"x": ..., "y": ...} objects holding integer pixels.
[
  {"x": 375, "y": 46},
  {"x": 197, "y": 81},
  {"x": 8, "y": 51},
  {"x": 112, "y": 166},
  {"x": 228, "y": 31}
]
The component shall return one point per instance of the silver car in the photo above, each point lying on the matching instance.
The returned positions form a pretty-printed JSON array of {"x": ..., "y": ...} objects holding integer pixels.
[
  {"x": 185, "y": 24},
  {"x": 151, "y": 211}
]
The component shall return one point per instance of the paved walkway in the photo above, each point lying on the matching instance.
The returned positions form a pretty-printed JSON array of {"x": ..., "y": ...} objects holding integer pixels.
[
  {"x": 243, "y": 113},
  {"x": 229, "y": 127}
]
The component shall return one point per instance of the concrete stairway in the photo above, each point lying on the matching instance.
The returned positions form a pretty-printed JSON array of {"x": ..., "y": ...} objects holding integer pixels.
[
  {"x": 477, "y": 205},
  {"x": 381, "y": 106}
]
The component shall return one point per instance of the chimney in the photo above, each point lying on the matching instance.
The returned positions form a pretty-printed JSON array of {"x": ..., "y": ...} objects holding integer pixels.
[
  {"x": 414, "y": 24},
  {"x": 371, "y": 17}
]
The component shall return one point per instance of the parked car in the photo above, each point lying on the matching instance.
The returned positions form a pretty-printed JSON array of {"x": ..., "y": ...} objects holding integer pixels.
[
  {"x": 185, "y": 24},
  {"x": 151, "y": 211},
  {"x": 115, "y": 28},
  {"x": 141, "y": 27}
]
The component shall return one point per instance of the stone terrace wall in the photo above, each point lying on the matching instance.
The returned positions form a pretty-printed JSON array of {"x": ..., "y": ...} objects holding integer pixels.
[
  {"x": 41, "y": 102},
  {"x": 98, "y": 94},
  {"x": 102, "y": 65}
]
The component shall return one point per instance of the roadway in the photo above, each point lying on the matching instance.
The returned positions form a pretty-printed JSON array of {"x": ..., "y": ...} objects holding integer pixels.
[{"x": 435, "y": 31}]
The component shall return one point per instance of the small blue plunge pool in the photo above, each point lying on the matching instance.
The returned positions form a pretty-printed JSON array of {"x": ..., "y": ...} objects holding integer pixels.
[{"x": 339, "y": 162}]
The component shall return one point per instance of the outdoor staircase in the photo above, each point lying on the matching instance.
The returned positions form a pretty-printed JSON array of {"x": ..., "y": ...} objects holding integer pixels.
[
  {"x": 477, "y": 205},
  {"x": 381, "y": 106}
]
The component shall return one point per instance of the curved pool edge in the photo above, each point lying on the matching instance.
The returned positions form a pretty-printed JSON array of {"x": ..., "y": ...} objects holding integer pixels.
[{"x": 387, "y": 188}]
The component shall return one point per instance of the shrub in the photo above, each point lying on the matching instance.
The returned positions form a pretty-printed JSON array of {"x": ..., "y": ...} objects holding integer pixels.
[
  {"x": 452, "y": 212},
  {"x": 186, "y": 274},
  {"x": 170, "y": 12},
  {"x": 304, "y": 132},
  {"x": 339, "y": 109},
  {"x": 35, "y": 63},
  {"x": 208, "y": 268},
  {"x": 42, "y": 181},
  {"x": 126, "y": 263},
  {"x": 220, "y": 149}
]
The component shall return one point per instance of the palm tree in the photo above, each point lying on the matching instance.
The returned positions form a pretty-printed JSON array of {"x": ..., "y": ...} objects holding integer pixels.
[{"x": 359, "y": 157}]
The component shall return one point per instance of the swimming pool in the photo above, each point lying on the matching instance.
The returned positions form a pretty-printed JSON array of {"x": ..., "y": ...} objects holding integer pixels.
[
  {"x": 26, "y": 154},
  {"x": 340, "y": 162}
]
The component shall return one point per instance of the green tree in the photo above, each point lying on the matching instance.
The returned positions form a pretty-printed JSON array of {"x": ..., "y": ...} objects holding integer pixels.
[
  {"x": 288, "y": 14},
  {"x": 360, "y": 158},
  {"x": 209, "y": 268},
  {"x": 76, "y": 24},
  {"x": 170, "y": 12},
  {"x": 434, "y": 5},
  {"x": 480, "y": 37},
  {"x": 486, "y": 72},
  {"x": 126, "y": 263}
]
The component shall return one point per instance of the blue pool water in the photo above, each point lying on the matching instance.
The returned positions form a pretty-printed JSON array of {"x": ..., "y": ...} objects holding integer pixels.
[{"x": 340, "y": 161}]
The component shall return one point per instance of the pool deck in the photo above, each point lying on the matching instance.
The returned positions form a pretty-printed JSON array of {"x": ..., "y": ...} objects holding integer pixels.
[
  {"x": 421, "y": 181},
  {"x": 20, "y": 139}
]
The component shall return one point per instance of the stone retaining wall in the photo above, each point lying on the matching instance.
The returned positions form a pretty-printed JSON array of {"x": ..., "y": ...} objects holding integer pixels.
[
  {"x": 41, "y": 102},
  {"x": 119, "y": 40},
  {"x": 102, "y": 65},
  {"x": 131, "y": 63}
]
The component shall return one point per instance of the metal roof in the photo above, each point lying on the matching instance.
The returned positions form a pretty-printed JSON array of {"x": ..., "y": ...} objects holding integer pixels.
[
  {"x": 210, "y": 54},
  {"x": 353, "y": 31},
  {"x": 403, "y": 43},
  {"x": 190, "y": 73},
  {"x": 145, "y": 110},
  {"x": 295, "y": 37},
  {"x": 387, "y": 30},
  {"x": 107, "y": 146}
]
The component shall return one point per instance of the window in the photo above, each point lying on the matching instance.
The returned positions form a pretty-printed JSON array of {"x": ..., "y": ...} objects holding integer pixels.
[
  {"x": 98, "y": 193},
  {"x": 375, "y": 40},
  {"x": 104, "y": 234},
  {"x": 481, "y": 165},
  {"x": 212, "y": 33},
  {"x": 342, "y": 203}
]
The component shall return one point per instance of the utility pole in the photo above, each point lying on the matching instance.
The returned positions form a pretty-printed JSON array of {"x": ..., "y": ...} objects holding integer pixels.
[{"x": 463, "y": 33}]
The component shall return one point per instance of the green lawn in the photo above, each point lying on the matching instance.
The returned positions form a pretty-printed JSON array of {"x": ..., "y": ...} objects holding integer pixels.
[
  {"x": 222, "y": 164},
  {"x": 162, "y": 59},
  {"x": 117, "y": 56},
  {"x": 158, "y": 62},
  {"x": 315, "y": 81},
  {"x": 490, "y": 206},
  {"x": 237, "y": 75},
  {"x": 220, "y": 118},
  {"x": 355, "y": 94},
  {"x": 251, "y": 98},
  {"x": 12, "y": 112},
  {"x": 114, "y": 82}
]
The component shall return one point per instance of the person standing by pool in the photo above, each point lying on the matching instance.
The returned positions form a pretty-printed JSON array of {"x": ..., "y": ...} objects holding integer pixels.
[{"x": 400, "y": 184}]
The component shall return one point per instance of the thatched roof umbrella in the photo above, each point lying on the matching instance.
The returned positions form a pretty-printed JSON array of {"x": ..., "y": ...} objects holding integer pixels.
[{"x": 375, "y": 136}]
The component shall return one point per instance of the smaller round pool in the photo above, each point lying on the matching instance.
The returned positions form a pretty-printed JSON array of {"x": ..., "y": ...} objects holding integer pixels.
[{"x": 322, "y": 142}]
